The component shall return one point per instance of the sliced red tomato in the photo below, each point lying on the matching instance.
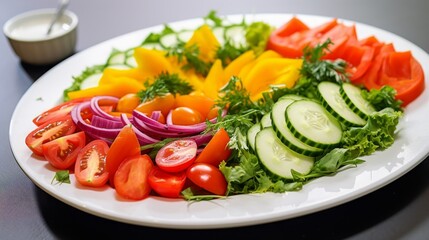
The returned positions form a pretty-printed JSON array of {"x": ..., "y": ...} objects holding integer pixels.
[
  {"x": 207, "y": 177},
  {"x": 49, "y": 131},
  {"x": 60, "y": 110},
  {"x": 125, "y": 145},
  {"x": 216, "y": 150},
  {"x": 359, "y": 60},
  {"x": 177, "y": 155},
  {"x": 90, "y": 166},
  {"x": 290, "y": 39},
  {"x": 131, "y": 178},
  {"x": 167, "y": 184},
  {"x": 405, "y": 74},
  {"x": 62, "y": 152}
]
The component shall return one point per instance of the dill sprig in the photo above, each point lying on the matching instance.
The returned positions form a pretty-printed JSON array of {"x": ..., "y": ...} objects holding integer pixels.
[{"x": 165, "y": 83}]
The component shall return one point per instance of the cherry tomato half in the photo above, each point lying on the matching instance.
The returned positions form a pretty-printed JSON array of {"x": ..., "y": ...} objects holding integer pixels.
[
  {"x": 167, "y": 184},
  {"x": 177, "y": 155},
  {"x": 90, "y": 166},
  {"x": 200, "y": 103},
  {"x": 128, "y": 103},
  {"x": 185, "y": 116},
  {"x": 207, "y": 177},
  {"x": 163, "y": 103},
  {"x": 62, "y": 152},
  {"x": 131, "y": 178},
  {"x": 49, "y": 131}
]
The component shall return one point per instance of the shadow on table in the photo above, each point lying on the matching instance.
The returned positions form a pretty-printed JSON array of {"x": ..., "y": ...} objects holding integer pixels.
[
  {"x": 36, "y": 71},
  {"x": 339, "y": 222}
]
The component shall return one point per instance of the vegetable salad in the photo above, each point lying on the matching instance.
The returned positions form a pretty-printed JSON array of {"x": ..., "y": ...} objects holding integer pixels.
[{"x": 228, "y": 108}]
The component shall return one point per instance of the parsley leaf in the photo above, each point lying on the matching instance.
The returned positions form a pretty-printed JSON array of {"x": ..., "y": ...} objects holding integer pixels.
[
  {"x": 189, "y": 54},
  {"x": 322, "y": 70},
  {"x": 165, "y": 83},
  {"x": 61, "y": 177},
  {"x": 212, "y": 17}
]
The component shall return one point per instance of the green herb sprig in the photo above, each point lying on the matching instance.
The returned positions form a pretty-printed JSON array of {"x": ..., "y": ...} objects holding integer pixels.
[{"x": 165, "y": 83}]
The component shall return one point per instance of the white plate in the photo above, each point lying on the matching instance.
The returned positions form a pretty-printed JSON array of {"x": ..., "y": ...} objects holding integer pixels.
[{"x": 410, "y": 148}]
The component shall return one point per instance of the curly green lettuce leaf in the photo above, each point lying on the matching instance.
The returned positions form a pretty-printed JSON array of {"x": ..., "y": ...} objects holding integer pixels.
[
  {"x": 377, "y": 134},
  {"x": 382, "y": 98},
  {"x": 257, "y": 35}
]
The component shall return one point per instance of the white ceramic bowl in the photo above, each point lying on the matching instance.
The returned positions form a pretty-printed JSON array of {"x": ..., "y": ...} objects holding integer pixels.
[{"x": 27, "y": 36}]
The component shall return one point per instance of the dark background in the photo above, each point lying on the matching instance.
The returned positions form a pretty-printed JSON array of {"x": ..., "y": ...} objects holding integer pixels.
[{"x": 396, "y": 211}]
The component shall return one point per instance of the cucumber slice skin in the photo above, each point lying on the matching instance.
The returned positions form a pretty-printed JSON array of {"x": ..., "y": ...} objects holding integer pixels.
[
  {"x": 266, "y": 120},
  {"x": 251, "y": 136},
  {"x": 332, "y": 100},
  {"x": 285, "y": 135},
  {"x": 353, "y": 98},
  {"x": 277, "y": 158},
  {"x": 312, "y": 124}
]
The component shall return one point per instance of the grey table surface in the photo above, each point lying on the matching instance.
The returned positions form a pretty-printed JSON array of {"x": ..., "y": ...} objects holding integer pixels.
[{"x": 397, "y": 211}]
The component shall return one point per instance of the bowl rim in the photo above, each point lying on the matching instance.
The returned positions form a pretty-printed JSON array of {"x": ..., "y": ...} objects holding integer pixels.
[{"x": 7, "y": 26}]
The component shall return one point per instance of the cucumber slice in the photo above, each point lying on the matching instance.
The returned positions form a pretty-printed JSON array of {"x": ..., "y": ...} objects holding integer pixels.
[
  {"x": 219, "y": 33},
  {"x": 266, "y": 120},
  {"x": 353, "y": 97},
  {"x": 236, "y": 35},
  {"x": 292, "y": 97},
  {"x": 335, "y": 104},
  {"x": 91, "y": 81},
  {"x": 116, "y": 58},
  {"x": 185, "y": 35},
  {"x": 169, "y": 40},
  {"x": 153, "y": 46},
  {"x": 131, "y": 61},
  {"x": 119, "y": 66},
  {"x": 277, "y": 158},
  {"x": 285, "y": 135},
  {"x": 309, "y": 121},
  {"x": 251, "y": 135}
]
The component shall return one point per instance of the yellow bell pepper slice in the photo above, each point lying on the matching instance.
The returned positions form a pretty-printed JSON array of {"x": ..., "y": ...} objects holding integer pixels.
[
  {"x": 206, "y": 42},
  {"x": 272, "y": 71},
  {"x": 152, "y": 62},
  {"x": 110, "y": 74},
  {"x": 214, "y": 80},
  {"x": 234, "y": 68},
  {"x": 265, "y": 55},
  {"x": 117, "y": 88}
]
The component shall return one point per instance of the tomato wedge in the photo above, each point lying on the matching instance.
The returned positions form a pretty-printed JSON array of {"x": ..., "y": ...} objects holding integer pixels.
[
  {"x": 216, "y": 150},
  {"x": 131, "y": 178},
  {"x": 125, "y": 145},
  {"x": 177, "y": 155},
  {"x": 405, "y": 74},
  {"x": 62, "y": 152},
  {"x": 49, "y": 131},
  {"x": 90, "y": 164},
  {"x": 207, "y": 177},
  {"x": 290, "y": 39},
  {"x": 167, "y": 184},
  {"x": 60, "y": 110}
]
